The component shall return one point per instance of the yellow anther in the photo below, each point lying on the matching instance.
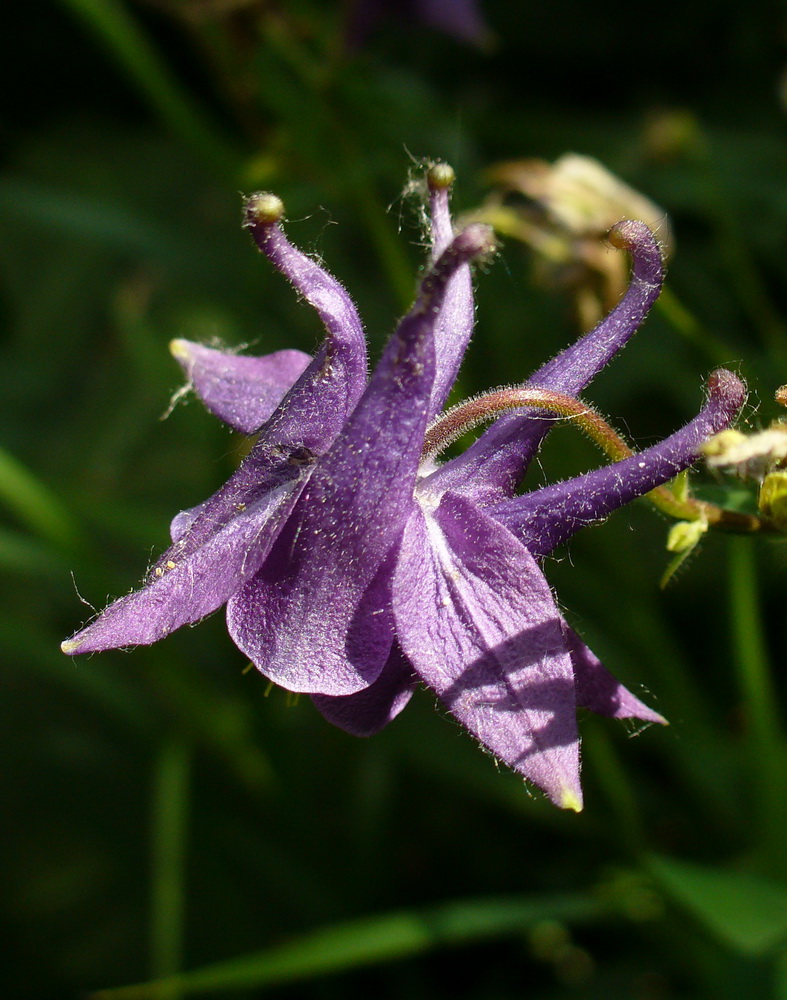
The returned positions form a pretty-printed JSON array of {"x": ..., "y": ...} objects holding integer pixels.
[
  {"x": 570, "y": 800},
  {"x": 440, "y": 176},
  {"x": 180, "y": 349},
  {"x": 264, "y": 208}
]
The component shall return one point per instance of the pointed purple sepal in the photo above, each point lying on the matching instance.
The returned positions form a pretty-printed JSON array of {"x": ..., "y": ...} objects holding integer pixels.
[
  {"x": 242, "y": 391},
  {"x": 180, "y": 593},
  {"x": 367, "y": 712},
  {"x": 598, "y": 691},
  {"x": 477, "y": 620}
]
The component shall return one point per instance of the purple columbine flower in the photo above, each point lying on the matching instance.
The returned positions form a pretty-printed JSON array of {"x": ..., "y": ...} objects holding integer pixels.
[{"x": 353, "y": 564}]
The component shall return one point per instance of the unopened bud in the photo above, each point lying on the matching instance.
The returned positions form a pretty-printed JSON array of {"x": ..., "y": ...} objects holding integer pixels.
[
  {"x": 721, "y": 444},
  {"x": 773, "y": 498},
  {"x": 752, "y": 456},
  {"x": 684, "y": 535}
]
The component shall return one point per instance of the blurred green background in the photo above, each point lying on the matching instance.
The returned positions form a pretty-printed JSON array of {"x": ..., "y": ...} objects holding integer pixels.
[{"x": 162, "y": 810}]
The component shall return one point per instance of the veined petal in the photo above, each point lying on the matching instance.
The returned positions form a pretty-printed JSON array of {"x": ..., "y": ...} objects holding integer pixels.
[
  {"x": 346, "y": 343},
  {"x": 600, "y": 692},
  {"x": 547, "y": 517},
  {"x": 493, "y": 465},
  {"x": 454, "y": 326},
  {"x": 316, "y": 617},
  {"x": 477, "y": 620},
  {"x": 367, "y": 712},
  {"x": 242, "y": 391},
  {"x": 181, "y": 593}
]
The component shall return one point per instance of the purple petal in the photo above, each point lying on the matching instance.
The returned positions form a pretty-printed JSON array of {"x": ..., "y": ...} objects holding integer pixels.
[
  {"x": 600, "y": 692},
  {"x": 181, "y": 593},
  {"x": 346, "y": 340},
  {"x": 491, "y": 468},
  {"x": 454, "y": 326},
  {"x": 367, "y": 712},
  {"x": 476, "y": 618},
  {"x": 242, "y": 391},
  {"x": 316, "y": 617},
  {"x": 547, "y": 517}
]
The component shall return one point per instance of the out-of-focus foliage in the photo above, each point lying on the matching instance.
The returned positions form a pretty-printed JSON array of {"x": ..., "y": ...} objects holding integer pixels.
[{"x": 163, "y": 810}]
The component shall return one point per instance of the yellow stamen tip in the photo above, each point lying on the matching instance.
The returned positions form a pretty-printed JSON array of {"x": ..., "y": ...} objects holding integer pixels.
[
  {"x": 180, "y": 349},
  {"x": 440, "y": 176},
  {"x": 264, "y": 208},
  {"x": 569, "y": 799},
  {"x": 70, "y": 646}
]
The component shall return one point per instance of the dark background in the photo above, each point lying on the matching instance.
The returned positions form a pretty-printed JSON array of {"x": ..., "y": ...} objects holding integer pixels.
[{"x": 162, "y": 809}]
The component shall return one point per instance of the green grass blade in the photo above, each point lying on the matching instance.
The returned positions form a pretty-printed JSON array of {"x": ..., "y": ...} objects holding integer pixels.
[
  {"x": 760, "y": 701},
  {"x": 34, "y": 504},
  {"x": 747, "y": 913},
  {"x": 351, "y": 945},
  {"x": 123, "y": 37},
  {"x": 168, "y": 846}
]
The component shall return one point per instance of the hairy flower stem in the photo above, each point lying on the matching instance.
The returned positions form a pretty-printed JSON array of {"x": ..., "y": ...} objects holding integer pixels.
[{"x": 465, "y": 416}]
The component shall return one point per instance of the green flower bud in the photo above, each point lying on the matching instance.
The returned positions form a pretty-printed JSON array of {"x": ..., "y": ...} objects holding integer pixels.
[
  {"x": 773, "y": 498},
  {"x": 684, "y": 535}
]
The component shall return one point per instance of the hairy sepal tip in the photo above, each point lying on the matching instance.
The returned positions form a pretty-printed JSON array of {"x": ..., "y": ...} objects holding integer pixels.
[
  {"x": 263, "y": 209},
  {"x": 630, "y": 234},
  {"x": 727, "y": 386}
]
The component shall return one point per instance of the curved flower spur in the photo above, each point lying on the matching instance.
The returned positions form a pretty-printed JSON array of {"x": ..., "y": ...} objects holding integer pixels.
[{"x": 354, "y": 565}]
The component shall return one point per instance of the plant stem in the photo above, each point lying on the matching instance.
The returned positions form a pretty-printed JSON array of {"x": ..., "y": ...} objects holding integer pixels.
[{"x": 759, "y": 700}]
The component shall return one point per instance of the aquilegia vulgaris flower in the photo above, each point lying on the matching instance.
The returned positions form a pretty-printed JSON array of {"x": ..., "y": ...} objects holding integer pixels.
[{"x": 354, "y": 565}]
